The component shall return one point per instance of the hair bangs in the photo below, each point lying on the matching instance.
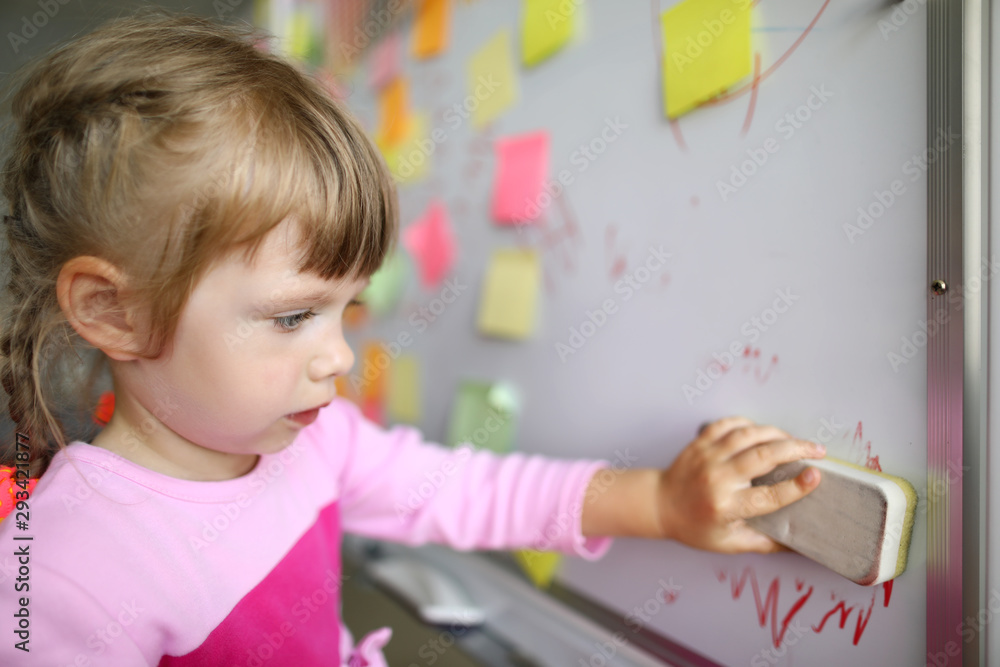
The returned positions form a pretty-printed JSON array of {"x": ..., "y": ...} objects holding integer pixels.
[{"x": 320, "y": 170}]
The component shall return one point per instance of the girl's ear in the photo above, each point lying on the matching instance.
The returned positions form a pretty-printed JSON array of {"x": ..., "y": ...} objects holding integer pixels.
[{"x": 90, "y": 291}]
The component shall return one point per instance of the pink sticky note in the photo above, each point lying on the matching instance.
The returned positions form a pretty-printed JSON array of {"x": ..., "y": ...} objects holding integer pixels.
[
  {"x": 385, "y": 61},
  {"x": 431, "y": 243},
  {"x": 519, "y": 188}
]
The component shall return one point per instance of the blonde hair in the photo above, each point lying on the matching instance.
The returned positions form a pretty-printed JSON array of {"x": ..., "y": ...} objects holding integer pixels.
[{"x": 160, "y": 142}]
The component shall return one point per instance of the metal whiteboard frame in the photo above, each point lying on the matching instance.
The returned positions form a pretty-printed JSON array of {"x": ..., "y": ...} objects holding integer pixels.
[
  {"x": 957, "y": 227},
  {"x": 975, "y": 248}
]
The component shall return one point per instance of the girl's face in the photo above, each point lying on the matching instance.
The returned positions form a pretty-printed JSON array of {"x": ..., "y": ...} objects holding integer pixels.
[{"x": 256, "y": 353}]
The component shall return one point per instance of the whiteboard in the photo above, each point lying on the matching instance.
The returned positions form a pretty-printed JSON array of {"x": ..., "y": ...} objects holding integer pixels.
[{"x": 768, "y": 267}]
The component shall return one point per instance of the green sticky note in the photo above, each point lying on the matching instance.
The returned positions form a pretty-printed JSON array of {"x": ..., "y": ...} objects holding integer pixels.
[
  {"x": 480, "y": 421},
  {"x": 386, "y": 284},
  {"x": 546, "y": 26},
  {"x": 706, "y": 49},
  {"x": 492, "y": 79},
  {"x": 509, "y": 299},
  {"x": 404, "y": 389},
  {"x": 304, "y": 42}
]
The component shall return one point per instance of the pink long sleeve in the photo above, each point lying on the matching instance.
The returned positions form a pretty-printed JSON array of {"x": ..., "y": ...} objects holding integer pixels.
[
  {"x": 131, "y": 567},
  {"x": 400, "y": 488}
]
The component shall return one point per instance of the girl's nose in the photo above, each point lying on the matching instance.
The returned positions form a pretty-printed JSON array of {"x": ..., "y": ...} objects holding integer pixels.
[{"x": 335, "y": 358}]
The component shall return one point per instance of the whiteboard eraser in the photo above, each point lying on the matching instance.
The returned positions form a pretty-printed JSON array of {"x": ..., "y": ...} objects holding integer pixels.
[
  {"x": 857, "y": 522},
  {"x": 433, "y": 594}
]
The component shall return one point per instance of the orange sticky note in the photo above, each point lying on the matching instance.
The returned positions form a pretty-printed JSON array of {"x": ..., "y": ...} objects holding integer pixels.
[
  {"x": 519, "y": 188},
  {"x": 372, "y": 373},
  {"x": 431, "y": 28},
  {"x": 431, "y": 244},
  {"x": 394, "y": 112}
]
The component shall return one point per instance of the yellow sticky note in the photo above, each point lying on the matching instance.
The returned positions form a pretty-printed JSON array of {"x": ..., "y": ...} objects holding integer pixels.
[
  {"x": 407, "y": 160},
  {"x": 510, "y": 294},
  {"x": 431, "y": 28},
  {"x": 394, "y": 113},
  {"x": 404, "y": 389},
  {"x": 706, "y": 51},
  {"x": 492, "y": 78},
  {"x": 540, "y": 566},
  {"x": 546, "y": 26}
]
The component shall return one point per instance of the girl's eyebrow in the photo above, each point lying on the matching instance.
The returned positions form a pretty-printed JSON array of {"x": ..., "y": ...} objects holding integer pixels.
[{"x": 313, "y": 299}]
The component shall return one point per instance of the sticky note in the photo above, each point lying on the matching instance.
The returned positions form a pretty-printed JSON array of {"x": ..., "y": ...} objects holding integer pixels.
[
  {"x": 409, "y": 161},
  {"x": 518, "y": 188},
  {"x": 394, "y": 113},
  {"x": 403, "y": 400},
  {"x": 370, "y": 377},
  {"x": 431, "y": 27},
  {"x": 706, "y": 51},
  {"x": 386, "y": 285},
  {"x": 304, "y": 43},
  {"x": 384, "y": 61},
  {"x": 492, "y": 79},
  {"x": 431, "y": 243},
  {"x": 480, "y": 421},
  {"x": 509, "y": 296},
  {"x": 373, "y": 410},
  {"x": 540, "y": 566},
  {"x": 546, "y": 26}
]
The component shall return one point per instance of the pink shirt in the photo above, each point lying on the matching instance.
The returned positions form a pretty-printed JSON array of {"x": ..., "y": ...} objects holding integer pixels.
[{"x": 130, "y": 567}]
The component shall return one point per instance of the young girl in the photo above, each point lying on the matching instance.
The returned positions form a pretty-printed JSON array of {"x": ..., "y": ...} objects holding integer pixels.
[{"x": 198, "y": 214}]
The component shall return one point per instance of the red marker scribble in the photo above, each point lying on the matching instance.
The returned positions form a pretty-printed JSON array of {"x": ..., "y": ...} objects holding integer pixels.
[
  {"x": 770, "y": 604},
  {"x": 863, "y": 620},
  {"x": 863, "y": 617},
  {"x": 762, "y": 377},
  {"x": 752, "y": 363},
  {"x": 675, "y": 128},
  {"x": 669, "y": 597},
  {"x": 844, "y": 610},
  {"x": 618, "y": 263},
  {"x": 753, "y": 95},
  {"x": 871, "y": 462},
  {"x": 732, "y": 94},
  {"x": 725, "y": 97}
]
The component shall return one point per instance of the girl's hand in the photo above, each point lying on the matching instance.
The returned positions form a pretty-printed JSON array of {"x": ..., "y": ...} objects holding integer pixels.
[{"x": 705, "y": 494}]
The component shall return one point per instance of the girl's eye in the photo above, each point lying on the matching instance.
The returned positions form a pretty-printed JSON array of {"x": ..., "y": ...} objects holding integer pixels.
[{"x": 292, "y": 322}]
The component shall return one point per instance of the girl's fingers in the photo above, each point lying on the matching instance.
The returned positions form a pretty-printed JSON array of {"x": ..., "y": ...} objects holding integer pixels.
[
  {"x": 718, "y": 429},
  {"x": 762, "y": 459},
  {"x": 767, "y": 498},
  {"x": 748, "y": 539},
  {"x": 745, "y": 437}
]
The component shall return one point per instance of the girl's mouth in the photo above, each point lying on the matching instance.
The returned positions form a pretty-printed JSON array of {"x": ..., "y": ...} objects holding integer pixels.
[{"x": 305, "y": 417}]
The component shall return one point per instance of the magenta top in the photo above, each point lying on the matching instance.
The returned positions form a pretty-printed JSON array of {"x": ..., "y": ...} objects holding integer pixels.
[{"x": 126, "y": 566}]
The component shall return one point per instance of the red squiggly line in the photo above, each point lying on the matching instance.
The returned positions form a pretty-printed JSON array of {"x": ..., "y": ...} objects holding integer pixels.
[
  {"x": 845, "y": 611},
  {"x": 770, "y": 603},
  {"x": 753, "y": 95},
  {"x": 770, "y": 70}
]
